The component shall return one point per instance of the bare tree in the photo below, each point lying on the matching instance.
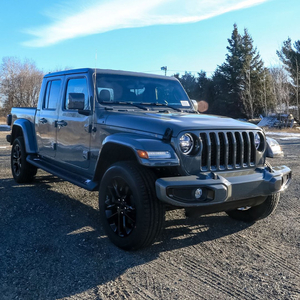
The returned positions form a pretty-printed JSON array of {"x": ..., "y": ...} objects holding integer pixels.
[
  {"x": 20, "y": 82},
  {"x": 289, "y": 54},
  {"x": 281, "y": 87},
  {"x": 265, "y": 105}
]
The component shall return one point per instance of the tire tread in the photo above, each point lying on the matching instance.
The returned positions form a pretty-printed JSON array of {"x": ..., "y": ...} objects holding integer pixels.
[
  {"x": 258, "y": 212},
  {"x": 153, "y": 209},
  {"x": 28, "y": 171}
]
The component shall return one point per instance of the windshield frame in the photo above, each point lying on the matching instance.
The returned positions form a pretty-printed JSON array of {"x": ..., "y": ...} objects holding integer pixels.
[{"x": 154, "y": 92}]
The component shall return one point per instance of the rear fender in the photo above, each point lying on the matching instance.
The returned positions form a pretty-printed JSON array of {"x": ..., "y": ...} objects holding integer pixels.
[{"x": 25, "y": 128}]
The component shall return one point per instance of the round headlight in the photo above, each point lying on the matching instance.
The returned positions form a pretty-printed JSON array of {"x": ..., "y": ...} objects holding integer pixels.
[
  {"x": 186, "y": 143},
  {"x": 257, "y": 141}
]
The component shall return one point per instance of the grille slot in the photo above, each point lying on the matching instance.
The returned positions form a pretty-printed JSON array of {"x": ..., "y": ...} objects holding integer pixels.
[{"x": 222, "y": 150}]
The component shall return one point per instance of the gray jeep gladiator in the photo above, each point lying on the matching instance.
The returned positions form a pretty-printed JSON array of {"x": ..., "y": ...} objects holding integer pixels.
[{"x": 138, "y": 139}]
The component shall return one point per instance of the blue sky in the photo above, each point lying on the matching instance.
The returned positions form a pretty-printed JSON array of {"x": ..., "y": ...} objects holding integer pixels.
[{"x": 142, "y": 35}]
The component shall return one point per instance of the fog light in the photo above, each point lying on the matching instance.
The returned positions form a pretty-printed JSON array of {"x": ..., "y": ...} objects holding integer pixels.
[{"x": 198, "y": 193}]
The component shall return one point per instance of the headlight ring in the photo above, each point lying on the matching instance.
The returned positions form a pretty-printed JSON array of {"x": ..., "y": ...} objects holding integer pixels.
[
  {"x": 259, "y": 141},
  {"x": 186, "y": 143}
]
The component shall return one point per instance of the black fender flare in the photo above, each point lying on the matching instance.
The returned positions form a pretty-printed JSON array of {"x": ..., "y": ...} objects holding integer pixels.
[
  {"x": 28, "y": 132},
  {"x": 139, "y": 142},
  {"x": 131, "y": 143}
]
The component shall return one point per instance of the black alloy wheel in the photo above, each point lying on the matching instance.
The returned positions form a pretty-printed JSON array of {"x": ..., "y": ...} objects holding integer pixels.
[
  {"x": 119, "y": 207},
  {"x": 16, "y": 159},
  {"x": 22, "y": 170},
  {"x": 131, "y": 215}
]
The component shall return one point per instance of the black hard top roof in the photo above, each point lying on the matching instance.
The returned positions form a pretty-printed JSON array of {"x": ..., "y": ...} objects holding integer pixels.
[{"x": 108, "y": 71}]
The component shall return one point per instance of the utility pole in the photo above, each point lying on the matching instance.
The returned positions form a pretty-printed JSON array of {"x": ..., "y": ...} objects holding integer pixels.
[{"x": 165, "y": 68}]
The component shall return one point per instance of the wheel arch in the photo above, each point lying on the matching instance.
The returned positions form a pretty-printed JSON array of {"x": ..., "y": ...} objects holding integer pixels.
[
  {"x": 111, "y": 153},
  {"x": 125, "y": 146},
  {"x": 24, "y": 128}
]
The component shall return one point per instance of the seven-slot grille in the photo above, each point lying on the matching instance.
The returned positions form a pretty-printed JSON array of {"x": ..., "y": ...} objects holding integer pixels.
[{"x": 223, "y": 150}]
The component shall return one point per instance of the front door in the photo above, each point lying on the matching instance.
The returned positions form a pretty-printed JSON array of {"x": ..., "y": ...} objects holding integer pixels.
[{"x": 73, "y": 129}]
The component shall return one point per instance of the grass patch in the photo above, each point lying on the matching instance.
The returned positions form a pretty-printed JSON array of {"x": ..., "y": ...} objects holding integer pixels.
[
  {"x": 2, "y": 120},
  {"x": 288, "y": 130}
]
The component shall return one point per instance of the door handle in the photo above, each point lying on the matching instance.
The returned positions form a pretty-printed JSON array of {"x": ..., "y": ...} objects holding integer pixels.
[
  {"x": 87, "y": 128},
  {"x": 61, "y": 123},
  {"x": 43, "y": 120}
]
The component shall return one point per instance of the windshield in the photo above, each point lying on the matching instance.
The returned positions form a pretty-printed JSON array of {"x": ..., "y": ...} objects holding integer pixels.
[{"x": 143, "y": 90}]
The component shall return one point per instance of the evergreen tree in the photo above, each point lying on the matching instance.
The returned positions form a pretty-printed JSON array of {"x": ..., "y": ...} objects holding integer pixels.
[
  {"x": 228, "y": 76},
  {"x": 241, "y": 86},
  {"x": 198, "y": 88},
  {"x": 188, "y": 81},
  {"x": 204, "y": 87}
]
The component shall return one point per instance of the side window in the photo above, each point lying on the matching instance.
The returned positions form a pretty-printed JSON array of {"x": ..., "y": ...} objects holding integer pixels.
[
  {"x": 77, "y": 86},
  {"x": 52, "y": 94}
]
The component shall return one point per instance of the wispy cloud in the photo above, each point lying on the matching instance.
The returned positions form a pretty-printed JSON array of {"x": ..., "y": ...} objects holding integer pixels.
[{"x": 107, "y": 15}]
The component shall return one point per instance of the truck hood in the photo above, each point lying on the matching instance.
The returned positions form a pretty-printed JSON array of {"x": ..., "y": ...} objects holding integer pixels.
[{"x": 157, "y": 123}]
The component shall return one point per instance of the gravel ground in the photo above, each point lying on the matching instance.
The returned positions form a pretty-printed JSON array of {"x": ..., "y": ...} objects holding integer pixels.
[{"x": 53, "y": 248}]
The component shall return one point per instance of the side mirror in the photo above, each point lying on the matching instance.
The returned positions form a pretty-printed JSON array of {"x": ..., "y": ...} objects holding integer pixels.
[
  {"x": 76, "y": 101},
  {"x": 9, "y": 120}
]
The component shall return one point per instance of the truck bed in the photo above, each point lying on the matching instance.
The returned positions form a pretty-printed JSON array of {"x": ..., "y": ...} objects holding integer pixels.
[{"x": 27, "y": 113}]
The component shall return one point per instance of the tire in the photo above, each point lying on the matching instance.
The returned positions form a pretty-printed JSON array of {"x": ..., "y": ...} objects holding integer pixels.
[
  {"x": 258, "y": 212},
  {"x": 131, "y": 215},
  {"x": 22, "y": 170}
]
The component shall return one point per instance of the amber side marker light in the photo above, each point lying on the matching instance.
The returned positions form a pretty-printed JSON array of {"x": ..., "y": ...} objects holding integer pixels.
[
  {"x": 142, "y": 154},
  {"x": 153, "y": 154}
]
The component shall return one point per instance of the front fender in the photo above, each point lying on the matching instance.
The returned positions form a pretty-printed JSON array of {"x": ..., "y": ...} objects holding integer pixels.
[
  {"x": 28, "y": 131},
  {"x": 138, "y": 142},
  {"x": 273, "y": 148}
]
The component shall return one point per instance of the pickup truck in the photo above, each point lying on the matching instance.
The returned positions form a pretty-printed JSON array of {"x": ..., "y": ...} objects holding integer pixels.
[{"x": 138, "y": 139}]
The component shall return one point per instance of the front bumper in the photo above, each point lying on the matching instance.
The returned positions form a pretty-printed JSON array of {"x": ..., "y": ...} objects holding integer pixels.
[{"x": 223, "y": 187}]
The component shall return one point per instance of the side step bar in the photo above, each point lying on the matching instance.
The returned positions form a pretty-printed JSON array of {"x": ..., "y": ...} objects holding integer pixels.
[{"x": 63, "y": 173}]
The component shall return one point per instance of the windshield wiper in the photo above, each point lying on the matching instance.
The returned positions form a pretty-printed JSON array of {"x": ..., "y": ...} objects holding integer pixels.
[
  {"x": 161, "y": 104},
  {"x": 191, "y": 111},
  {"x": 138, "y": 105},
  {"x": 141, "y": 105}
]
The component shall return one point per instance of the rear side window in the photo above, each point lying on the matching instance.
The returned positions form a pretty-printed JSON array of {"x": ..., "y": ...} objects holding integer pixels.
[{"x": 52, "y": 94}]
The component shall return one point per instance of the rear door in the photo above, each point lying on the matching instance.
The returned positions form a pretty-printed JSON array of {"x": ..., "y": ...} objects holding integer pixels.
[
  {"x": 73, "y": 129},
  {"x": 46, "y": 117}
]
